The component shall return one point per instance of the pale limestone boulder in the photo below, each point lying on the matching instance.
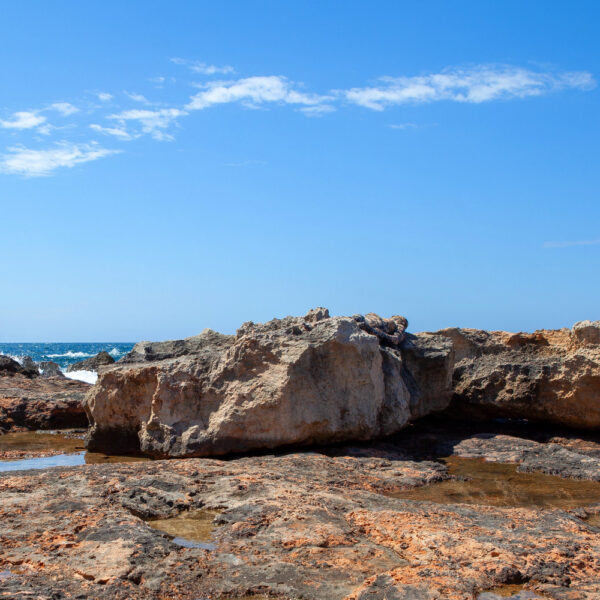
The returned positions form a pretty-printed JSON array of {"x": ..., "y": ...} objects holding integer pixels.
[{"x": 299, "y": 380}]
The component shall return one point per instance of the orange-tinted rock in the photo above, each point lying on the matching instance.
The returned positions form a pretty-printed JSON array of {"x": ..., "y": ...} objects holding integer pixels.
[{"x": 41, "y": 403}]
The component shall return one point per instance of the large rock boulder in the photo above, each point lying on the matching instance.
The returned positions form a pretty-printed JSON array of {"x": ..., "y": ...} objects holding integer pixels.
[
  {"x": 102, "y": 359},
  {"x": 298, "y": 380},
  {"x": 548, "y": 376},
  {"x": 49, "y": 368},
  {"x": 10, "y": 367}
]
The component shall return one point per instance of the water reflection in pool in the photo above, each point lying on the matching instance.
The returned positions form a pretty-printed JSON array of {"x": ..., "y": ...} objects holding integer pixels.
[
  {"x": 69, "y": 445},
  {"x": 476, "y": 481},
  {"x": 193, "y": 529}
]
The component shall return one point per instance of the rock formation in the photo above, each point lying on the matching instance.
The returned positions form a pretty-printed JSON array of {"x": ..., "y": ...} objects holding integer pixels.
[
  {"x": 548, "y": 375},
  {"x": 102, "y": 359},
  {"x": 9, "y": 366},
  {"x": 49, "y": 368},
  {"x": 41, "y": 403},
  {"x": 298, "y": 380}
]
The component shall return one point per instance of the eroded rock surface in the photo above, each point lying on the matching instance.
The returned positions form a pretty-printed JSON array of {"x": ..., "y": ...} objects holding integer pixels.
[
  {"x": 102, "y": 359},
  {"x": 10, "y": 367},
  {"x": 298, "y": 380},
  {"x": 310, "y": 525},
  {"x": 548, "y": 375},
  {"x": 41, "y": 403}
]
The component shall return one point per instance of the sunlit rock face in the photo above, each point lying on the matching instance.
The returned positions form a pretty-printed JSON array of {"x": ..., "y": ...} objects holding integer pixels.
[
  {"x": 549, "y": 375},
  {"x": 298, "y": 380}
]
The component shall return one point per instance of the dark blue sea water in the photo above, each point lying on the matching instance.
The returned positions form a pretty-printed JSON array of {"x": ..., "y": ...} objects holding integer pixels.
[{"x": 64, "y": 353}]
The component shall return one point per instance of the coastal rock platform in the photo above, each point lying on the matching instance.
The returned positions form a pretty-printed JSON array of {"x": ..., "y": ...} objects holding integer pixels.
[{"x": 327, "y": 524}]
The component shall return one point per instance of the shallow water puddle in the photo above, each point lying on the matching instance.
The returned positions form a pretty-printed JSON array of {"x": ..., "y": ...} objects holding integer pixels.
[
  {"x": 6, "y": 575},
  {"x": 509, "y": 592},
  {"x": 593, "y": 520},
  {"x": 193, "y": 529},
  {"x": 34, "y": 441},
  {"x": 499, "y": 484},
  {"x": 72, "y": 452}
]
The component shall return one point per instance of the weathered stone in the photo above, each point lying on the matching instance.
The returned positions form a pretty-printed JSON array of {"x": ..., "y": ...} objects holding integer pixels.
[
  {"x": 29, "y": 364},
  {"x": 102, "y": 359},
  {"x": 317, "y": 525},
  {"x": 548, "y": 375},
  {"x": 41, "y": 403},
  {"x": 288, "y": 381},
  {"x": 9, "y": 367},
  {"x": 49, "y": 368}
]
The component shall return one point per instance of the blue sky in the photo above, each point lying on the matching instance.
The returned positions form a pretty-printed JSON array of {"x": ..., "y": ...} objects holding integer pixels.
[{"x": 171, "y": 166}]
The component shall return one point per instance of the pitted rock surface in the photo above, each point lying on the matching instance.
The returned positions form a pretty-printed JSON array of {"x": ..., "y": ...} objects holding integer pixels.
[
  {"x": 102, "y": 359},
  {"x": 547, "y": 376},
  {"x": 299, "y": 380},
  {"x": 41, "y": 403},
  {"x": 304, "y": 525}
]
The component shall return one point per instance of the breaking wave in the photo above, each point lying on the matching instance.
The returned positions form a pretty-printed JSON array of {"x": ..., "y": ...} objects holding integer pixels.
[
  {"x": 71, "y": 354},
  {"x": 87, "y": 376}
]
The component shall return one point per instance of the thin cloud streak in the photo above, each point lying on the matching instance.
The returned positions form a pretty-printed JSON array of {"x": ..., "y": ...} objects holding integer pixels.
[
  {"x": 37, "y": 163},
  {"x": 474, "y": 85},
  {"x": 117, "y": 132},
  {"x": 203, "y": 68},
  {"x": 571, "y": 244},
  {"x": 64, "y": 108},
  {"x": 252, "y": 92},
  {"x": 152, "y": 122}
]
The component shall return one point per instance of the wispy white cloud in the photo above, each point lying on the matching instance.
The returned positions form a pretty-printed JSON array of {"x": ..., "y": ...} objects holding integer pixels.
[
  {"x": 570, "y": 244},
  {"x": 477, "y": 84},
  {"x": 245, "y": 163},
  {"x": 252, "y": 92},
  {"x": 152, "y": 122},
  {"x": 137, "y": 97},
  {"x": 317, "y": 110},
  {"x": 403, "y": 126},
  {"x": 211, "y": 69},
  {"x": 118, "y": 132},
  {"x": 35, "y": 163},
  {"x": 64, "y": 108},
  {"x": 23, "y": 120},
  {"x": 203, "y": 68},
  {"x": 104, "y": 96}
]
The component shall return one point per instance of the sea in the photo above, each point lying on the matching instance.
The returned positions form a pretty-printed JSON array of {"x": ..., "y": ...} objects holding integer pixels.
[{"x": 65, "y": 354}]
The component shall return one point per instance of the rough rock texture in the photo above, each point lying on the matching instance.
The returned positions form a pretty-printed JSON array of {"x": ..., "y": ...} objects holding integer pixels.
[
  {"x": 49, "y": 368},
  {"x": 548, "y": 375},
  {"x": 41, "y": 403},
  {"x": 310, "y": 526},
  {"x": 298, "y": 380},
  {"x": 28, "y": 363},
  {"x": 102, "y": 359},
  {"x": 9, "y": 367}
]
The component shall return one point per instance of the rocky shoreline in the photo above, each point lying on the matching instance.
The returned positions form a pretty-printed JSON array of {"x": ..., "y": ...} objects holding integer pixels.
[
  {"x": 324, "y": 458},
  {"x": 318, "y": 524}
]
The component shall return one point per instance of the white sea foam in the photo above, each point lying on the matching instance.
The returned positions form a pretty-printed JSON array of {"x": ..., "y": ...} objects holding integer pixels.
[
  {"x": 115, "y": 352},
  {"x": 87, "y": 376},
  {"x": 71, "y": 354}
]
